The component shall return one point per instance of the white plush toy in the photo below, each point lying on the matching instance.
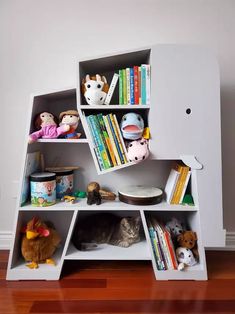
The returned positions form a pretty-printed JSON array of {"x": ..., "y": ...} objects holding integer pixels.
[
  {"x": 185, "y": 257},
  {"x": 138, "y": 150},
  {"x": 95, "y": 89}
]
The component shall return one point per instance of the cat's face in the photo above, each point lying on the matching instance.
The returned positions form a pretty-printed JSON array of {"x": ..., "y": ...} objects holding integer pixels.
[{"x": 130, "y": 227}]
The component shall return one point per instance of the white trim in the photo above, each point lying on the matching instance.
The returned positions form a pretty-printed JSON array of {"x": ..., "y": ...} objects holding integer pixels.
[{"x": 5, "y": 240}]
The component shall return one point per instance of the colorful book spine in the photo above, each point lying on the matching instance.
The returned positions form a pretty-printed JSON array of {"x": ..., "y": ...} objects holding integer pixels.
[
  {"x": 143, "y": 84},
  {"x": 121, "y": 100},
  {"x": 128, "y": 94},
  {"x": 124, "y": 86},
  {"x": 139, "y": 85},
  {"x": 155, "y": 249},
  {"x": 148, "y": 84},
  {"x": 183, "y": 170},
  {"x": 120, "y": 138},
  {"x": 170, "y": 249},
  {"x": 99, "y": 141},
  {"x": 132, "y": 93},
  {"x": 136, "y": 85},
  {"x": 104, "y": 136},
  {"x": 95, "y": 145},
  {"x": 111, "y": 89},
  {"x": 171, "y": 184},
  {"x": 115, "y": 139},
  {"x": 110, "y": 134}
]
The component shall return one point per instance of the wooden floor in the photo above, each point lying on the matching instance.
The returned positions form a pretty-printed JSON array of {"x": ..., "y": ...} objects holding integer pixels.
[{"x": 121, "y": 287}]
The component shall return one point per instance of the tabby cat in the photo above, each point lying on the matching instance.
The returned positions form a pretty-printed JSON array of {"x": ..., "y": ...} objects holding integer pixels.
[{"x": 106, "y": 228}]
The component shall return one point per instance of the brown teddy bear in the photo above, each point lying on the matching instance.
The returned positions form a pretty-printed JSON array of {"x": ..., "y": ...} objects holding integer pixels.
[{"x": 188, "y": 239}]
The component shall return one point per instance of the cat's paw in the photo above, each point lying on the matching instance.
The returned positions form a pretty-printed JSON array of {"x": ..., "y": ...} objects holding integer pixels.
[{"x": 124, "y": 244}]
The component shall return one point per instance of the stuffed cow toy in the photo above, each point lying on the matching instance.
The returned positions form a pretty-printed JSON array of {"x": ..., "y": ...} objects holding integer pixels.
[{"x": 95, "y": 89}]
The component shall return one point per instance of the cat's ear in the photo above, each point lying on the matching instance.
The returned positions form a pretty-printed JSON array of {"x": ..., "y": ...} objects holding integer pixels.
[{"x": 124, "y": 222}]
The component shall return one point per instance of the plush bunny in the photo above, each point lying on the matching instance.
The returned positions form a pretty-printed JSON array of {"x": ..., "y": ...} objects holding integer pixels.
[
  {"x": 95, "y": 89},
  {"x": 46, "y": 127},
  {"x": 71, "y": 118}
]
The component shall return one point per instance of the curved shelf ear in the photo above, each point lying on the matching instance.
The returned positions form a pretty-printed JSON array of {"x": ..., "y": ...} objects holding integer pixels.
[{"x": 191, "y": 161}]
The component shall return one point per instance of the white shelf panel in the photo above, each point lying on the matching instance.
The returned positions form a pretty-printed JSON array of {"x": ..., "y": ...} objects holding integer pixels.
[
  {"x": 116, "y": 168},
  {"x": 196, "y": 272},
  {"x": 117, "y": 106},
  {"x": 111, "y": 206},
  {"x": 44, "y": 271},
  {"x": 62, "y": 140},
  {"x": 137, "y": 251}
]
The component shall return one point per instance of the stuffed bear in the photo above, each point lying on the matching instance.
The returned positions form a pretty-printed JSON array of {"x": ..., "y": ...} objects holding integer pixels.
[
  {"x": 138, "y": 150},
  {"x": 188, "y": 239}
]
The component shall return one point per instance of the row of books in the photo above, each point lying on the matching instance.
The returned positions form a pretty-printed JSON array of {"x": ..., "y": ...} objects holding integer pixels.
[
  {"x": 134, "y": 86},
  {"x": 162, "y": 245},
  {"x": 107, "y": 140},
  {"x": 177, "y": 183}
]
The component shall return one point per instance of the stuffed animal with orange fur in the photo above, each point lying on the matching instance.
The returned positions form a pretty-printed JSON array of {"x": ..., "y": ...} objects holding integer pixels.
[
  {"x": 39, "y": 243},
  {"x": 95, "y": 89},
  {"x": 188, "y": 239}
]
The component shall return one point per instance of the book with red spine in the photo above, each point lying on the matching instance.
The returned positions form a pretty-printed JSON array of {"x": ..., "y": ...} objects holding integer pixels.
[{"x": 136, "y": 85}]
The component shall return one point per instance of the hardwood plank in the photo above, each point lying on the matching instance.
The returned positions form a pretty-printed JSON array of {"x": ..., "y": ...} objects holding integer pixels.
[{"x": 144, "y": 306}]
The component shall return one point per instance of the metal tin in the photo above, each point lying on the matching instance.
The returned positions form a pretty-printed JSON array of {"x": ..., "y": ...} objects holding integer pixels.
[
  {"x": 64, "y": 183},
  {"x": 43, "y": 189}
]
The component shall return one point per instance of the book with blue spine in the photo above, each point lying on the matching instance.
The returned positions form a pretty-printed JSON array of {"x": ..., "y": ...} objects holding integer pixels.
[
  {"x": 143, "y": 84},
  {"x": 132, "y": 88},
  {"x": 101, "y": 148},
  {"x": 115, "y": 140},
  {"x": 155, "y": 248},
  {"x": 95, "y": 145}
]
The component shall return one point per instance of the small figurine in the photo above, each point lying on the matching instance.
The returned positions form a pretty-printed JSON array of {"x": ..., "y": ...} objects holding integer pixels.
[
  {"x": 188, "y": 239},
  {"x": 175, "y": 227},
  {"x": 95, "y": 89},
  {"x": 46, "y": 127},
  {"x": 68, "y": 199},
  {"x": 138, "y": 150},
  {"x": 80, "y": 194},
  {"x": 39, "y": 243},
  {"x": 132, "y": 126},
  {"x": 95, "y": 194},
  {"x": 71, "y": 118}
]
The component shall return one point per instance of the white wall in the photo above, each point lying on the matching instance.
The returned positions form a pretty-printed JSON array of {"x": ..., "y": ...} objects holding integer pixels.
[{"x": 40, "y": 42}]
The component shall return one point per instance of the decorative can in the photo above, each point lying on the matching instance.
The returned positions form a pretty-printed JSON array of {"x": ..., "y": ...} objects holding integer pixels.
[
  {"x": 43, "y": 189},
  {"x": 64, "y": 183}
]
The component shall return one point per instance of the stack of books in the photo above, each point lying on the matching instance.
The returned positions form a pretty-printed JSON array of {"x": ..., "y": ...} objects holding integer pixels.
[
  {"x": 107, "y": 140},
  {"x": 162, "y": 245},
  {"x": 177, "y": 183},
  {"x": 134, "y": 85}
]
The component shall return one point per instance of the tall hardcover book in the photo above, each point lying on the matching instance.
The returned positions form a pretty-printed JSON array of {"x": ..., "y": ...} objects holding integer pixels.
[
  {"x": 171, "y": 184},
  {"x": 139, "y": 85},
  {"x": 120, "y": 138},
  {"x": 143, "y": 84},
  {"x": 128, "y": 87},
  {"x": 116, "y": 141},
  {"x": 183, "y": 170},
  {"x": 148, "y": 84},
  {"x": 132, "y": 96},
  {"x": 136, "y": 85},
  {"x": 121, "y": 100},
  {"x": 111, "y": 89},
  {"x": 124, "y": 86}
]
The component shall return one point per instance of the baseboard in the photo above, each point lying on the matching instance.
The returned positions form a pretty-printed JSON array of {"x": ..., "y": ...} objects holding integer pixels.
[{"x": 6, "y": 238}]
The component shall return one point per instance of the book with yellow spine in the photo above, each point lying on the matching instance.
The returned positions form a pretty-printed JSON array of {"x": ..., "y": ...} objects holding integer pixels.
[{"x": 183, "y": 170}]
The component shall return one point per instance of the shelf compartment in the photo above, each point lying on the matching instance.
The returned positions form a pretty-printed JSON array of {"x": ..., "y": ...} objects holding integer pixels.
[
  {"x": 137, "y": 251},
  {"x": 108, "y": 65},
  {"x": 190, "y": 221},
  {"x": 17, "y": 269}
]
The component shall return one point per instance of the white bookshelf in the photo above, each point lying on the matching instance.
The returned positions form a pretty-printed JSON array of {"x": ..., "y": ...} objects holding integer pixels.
[{"x": 181, "y": 78}]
